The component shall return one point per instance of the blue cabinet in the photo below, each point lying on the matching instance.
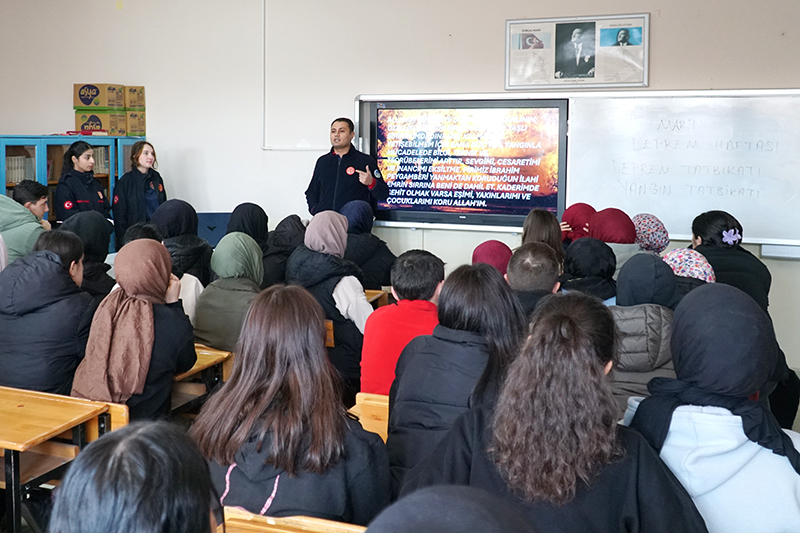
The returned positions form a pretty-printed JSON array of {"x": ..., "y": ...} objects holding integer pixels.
[{"x": 40, "y": 157}]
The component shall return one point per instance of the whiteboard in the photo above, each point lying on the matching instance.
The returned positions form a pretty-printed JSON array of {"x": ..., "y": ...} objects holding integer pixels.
[{"x": 676, "y": 156}]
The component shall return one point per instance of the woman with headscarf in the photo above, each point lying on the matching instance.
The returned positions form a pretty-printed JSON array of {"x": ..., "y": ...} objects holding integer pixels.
[
  {"x": 615, "y": 228},
  {"x": 494, "y": 253},
  {"x": 369, "y": 252},
  {"x": 320, "y": 267},
  {"x": 726, "y": 448},
  {"x": 691, "y": 269},
  {"x": 281, "y": 242},
  {"x": 223, "y": 304},
  {"x": 95, "y": 233},
  {"x": 651, "y": 234},
  {"x": 177, "y": 222},
  {"x": 589, "y": 268},
  {"x": 646, "y": 297},
  {"x": 718, "y": 236},
  {"x": 140, "y": 337},
  {"x": 573, "y": 222}
]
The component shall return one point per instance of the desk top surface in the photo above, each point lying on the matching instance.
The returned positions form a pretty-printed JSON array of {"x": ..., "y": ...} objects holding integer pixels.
[
  {"x": 28, "y": 418},
  {"x": 240, "y": 521},
  {"x": 206, "y": 358}
]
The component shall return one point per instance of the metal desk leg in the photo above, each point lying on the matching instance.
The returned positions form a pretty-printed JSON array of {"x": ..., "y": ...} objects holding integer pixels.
[{"x": 13, "y": 492}]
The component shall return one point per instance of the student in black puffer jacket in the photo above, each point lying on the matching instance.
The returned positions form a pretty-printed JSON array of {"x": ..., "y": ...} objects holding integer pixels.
[
  {"x": 281, "y": 242},
  {"x": 463, "y": 362},
  {"x": 44, "y": 315},
  {"x": 176, "y": 220},
  {"x": 647, "y": 293},
  {"x": 366, "y": 250}
]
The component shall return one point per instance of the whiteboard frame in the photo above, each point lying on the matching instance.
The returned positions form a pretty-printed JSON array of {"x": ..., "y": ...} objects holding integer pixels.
[{"x": 362, "y": 131}]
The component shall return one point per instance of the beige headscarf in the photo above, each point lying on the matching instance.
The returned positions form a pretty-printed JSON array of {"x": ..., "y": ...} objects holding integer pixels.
[
  {"x": 327, "y": 233},
  {"x": 121, "y": 338}
]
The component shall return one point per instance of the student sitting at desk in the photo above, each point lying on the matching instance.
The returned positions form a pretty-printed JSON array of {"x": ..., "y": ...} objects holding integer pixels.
[
  {"x": 368, "y": 251},
  {"x": 44, "y": 315},
  {"x": 177, "y": 222},
  {"x": 223, "y": 304},
  {"x": 95, "y": 234},
  {"x": 417, "y": 278},
  {"x": 320, "y": 267},
  {"x": 140, "y": 336},
  {"x": 277, "y": 436}
]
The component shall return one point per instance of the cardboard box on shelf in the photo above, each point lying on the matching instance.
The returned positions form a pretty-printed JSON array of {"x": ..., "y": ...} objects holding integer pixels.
[
  {"x": 102, "y": 95},
  {"x": 136, "y": 122},
  {"x": 134, "y": 97},
  {"x": 111, "y": 120}
]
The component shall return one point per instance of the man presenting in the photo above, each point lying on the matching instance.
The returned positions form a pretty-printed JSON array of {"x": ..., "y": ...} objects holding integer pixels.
[{"x": 344, "y": 174}]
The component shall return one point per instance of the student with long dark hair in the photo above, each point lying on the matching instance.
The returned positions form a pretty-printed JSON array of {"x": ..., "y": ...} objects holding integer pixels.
[
  {"x": 552, "y": 445},
  {"x": 543, "y": 226},
  {"x": 147, "y": 477},
  {"x": 78, "y": 190},
  {"x": 481, "y": 324},
  {"x": 139, "y": 192},
  {"x": 277, "y": 436}
]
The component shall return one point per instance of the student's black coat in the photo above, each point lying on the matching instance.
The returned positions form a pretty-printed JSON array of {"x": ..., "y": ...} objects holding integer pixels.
[
  {"x": 190, "y": 255},
  {"x": 281, "y": 242},
  {"x": 374, "y": 258},
  {"x": 44, "y": 324},
  {"x": 434, "y": 380},
  {"x": 129, "y": 204},
  {"x": 173, "y": 353},
  {"x": 320, "y": 273},
  {"x": 738, "y": 267},
  {"x": 636, "y": 493},
  {"x": 354, "y": 490}
]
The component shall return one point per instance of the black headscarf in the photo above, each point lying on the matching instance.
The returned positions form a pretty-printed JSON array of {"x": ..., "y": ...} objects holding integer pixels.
[
  {"x": 589, "y": 266},
  {"x": 647, "y": 279},
  {"x": 724, "y": 350},
  {"x": 94, "y": 231},
  {"x": 174, "y": 218},
  {"x": 359, "y": 216},
  {"x": 249, "y": 218}
]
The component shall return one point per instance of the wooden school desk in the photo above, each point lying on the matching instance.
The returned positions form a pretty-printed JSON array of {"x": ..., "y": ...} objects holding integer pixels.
[
  {"x": 187, "y": 393},
  {"x": 377, "y": 298},
  {"x": 28, "y": 420},
  {"x": 240, "y": 521}
]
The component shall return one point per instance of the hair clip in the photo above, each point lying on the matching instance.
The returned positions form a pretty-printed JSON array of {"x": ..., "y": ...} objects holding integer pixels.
[{"x": 731, "y": 236}]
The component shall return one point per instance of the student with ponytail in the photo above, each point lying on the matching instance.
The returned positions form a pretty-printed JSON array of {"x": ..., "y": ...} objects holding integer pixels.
[{"x": 552, "y": 446}]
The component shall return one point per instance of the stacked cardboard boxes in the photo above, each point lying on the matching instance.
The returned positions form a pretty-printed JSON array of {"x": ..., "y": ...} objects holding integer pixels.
[
  {"x": 135, "y": 110},
  {"x": 117, "y": 109}
]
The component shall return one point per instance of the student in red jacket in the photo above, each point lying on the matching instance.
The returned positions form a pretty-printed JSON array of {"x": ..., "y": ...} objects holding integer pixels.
[{"x": 417, "y": 278}]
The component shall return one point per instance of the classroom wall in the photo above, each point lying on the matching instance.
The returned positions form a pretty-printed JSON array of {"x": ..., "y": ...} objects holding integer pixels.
[{"x": 202, "y": 65}]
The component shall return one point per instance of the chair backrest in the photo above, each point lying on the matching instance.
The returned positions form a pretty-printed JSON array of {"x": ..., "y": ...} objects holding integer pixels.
[
  {"x": 329, "y": 333},
  {"x": 373, "y": 412}
]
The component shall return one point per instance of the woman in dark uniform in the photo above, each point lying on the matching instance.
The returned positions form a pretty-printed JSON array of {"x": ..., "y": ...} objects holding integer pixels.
[
  {"x": 78, "y": 190},
  {"x": 139, "y": 192}
]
